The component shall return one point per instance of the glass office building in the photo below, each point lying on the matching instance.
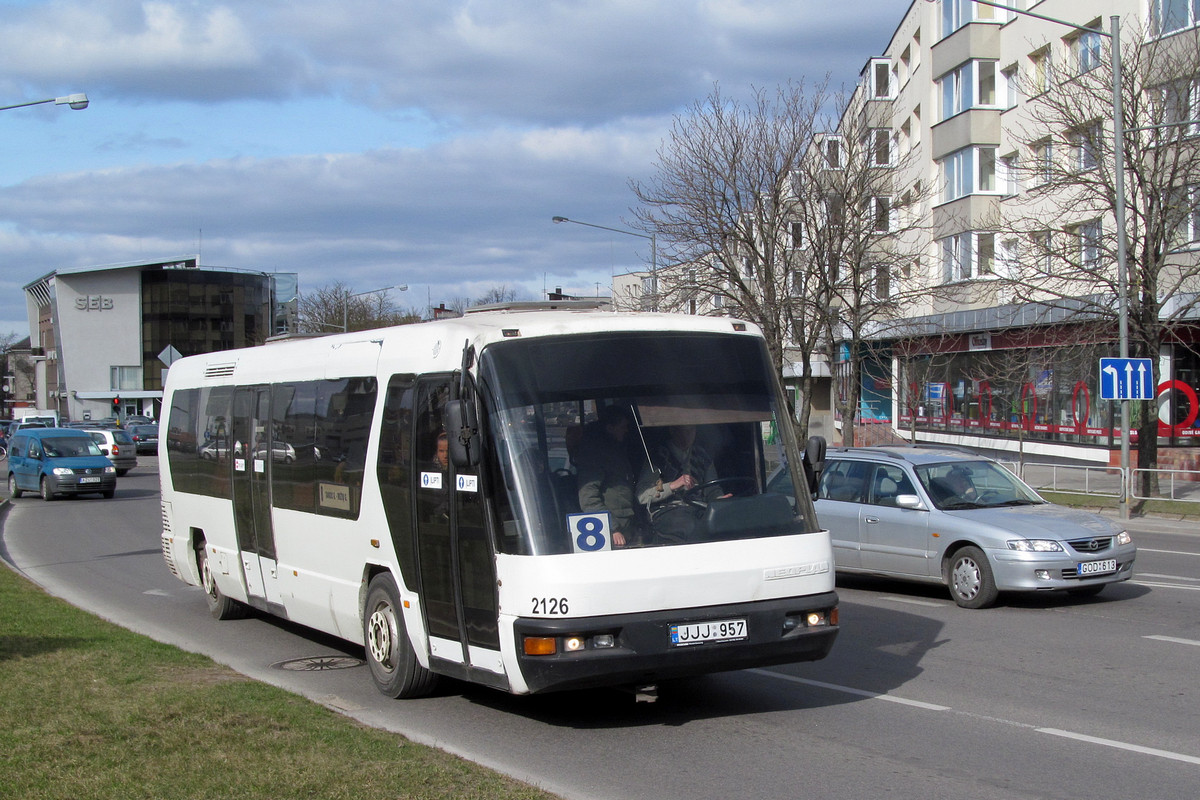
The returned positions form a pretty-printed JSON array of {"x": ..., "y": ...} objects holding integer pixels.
[{"x": 106, "y": 334}]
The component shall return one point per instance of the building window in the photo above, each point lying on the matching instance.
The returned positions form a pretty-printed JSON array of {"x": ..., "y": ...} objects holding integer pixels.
[
  {"x": 881, "y": 214},
  {"x": 833, "y": 153},
  {"x": 972, "y": 85},
  {"x": 1008, "y": 175},
  {"x": 1043, "y": 157},
  {"x": 967, "y": 255},
  {"x": 1181, "y": 104},
  {"x": 1009, "y": 76},
  {"x": 882, "y": 285},
  {"x": 1168, "y": 16},
  {"x": 1088, "y": 236},
  {"x": 1194, "y": 216},
  {"x": 1040, "y": 71},
  {"x": 1085, "y": 49},
  {"x": 968, "y": 171},
  {"x": 1084, "y": 145},
  {"x": 879, "y": 147},
  {"x": 125, "y": 378},
  {"x": 881, "y": 79},
  {"x": 1009, "y": 263},
  {"x": 956, "y": 13},
  {"x": 796, "y": 235}
]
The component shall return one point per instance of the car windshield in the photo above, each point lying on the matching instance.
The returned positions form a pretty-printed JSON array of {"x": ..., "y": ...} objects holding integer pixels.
[
  {"x": 68, "y": 446},
  {"x": 974, "y": 484},
  {"x": 604, "y": 426}
]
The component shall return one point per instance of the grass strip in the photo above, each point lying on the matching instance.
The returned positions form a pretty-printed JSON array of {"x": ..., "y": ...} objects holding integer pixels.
[{"x": 91, "y": 710}]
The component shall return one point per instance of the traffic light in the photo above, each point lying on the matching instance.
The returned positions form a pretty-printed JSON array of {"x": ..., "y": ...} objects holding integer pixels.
[{"x": 116, "y": 404}]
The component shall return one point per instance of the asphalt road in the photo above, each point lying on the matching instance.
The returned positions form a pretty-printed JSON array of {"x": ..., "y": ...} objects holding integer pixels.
[{"x": 1042, "y": 697}]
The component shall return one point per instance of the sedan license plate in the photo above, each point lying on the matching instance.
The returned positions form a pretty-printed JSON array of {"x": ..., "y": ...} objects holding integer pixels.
[
  {"x": 725, "y": 630},
  {"x": 92, "y": 479},
  {"x": 1098, "y": 567}
]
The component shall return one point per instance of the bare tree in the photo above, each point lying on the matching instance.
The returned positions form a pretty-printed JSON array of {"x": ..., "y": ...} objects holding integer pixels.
[
  {"x": 329, "y": 308},
  {"x": 856, "y": 240},
  {"x": 1062, "y": 224},
  {"x": 725, "y": 208},
  {"x": 498, "y": 294},
  {"x": 756, "y": 207},
  {"x": 722, "y": 203}
]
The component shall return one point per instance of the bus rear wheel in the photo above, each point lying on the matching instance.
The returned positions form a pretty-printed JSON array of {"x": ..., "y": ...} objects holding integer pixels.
[
  {"x": 220, "y": 606},
  {"x": 394, "y": 666}
]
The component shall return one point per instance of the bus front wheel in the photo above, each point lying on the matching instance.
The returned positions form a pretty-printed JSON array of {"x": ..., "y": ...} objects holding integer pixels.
[{"x": 394, "y": 666}]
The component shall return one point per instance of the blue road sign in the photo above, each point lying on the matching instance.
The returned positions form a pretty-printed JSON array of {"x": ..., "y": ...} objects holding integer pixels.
[{"x": 1126, "y": 379}]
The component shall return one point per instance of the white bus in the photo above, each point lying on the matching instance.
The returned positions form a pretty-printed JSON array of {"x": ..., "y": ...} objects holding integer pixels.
[{"x": 302, "y": 478}]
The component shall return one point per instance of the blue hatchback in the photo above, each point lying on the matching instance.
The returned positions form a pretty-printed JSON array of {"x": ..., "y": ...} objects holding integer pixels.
[{"x": 58, "y": 461}]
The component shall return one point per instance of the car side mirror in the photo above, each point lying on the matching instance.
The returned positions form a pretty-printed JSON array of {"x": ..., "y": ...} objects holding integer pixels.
[{"x": 908, "y": 501}]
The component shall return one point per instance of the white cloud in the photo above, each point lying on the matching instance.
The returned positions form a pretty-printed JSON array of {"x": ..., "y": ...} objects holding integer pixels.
[{"x": 365, "y": 138}]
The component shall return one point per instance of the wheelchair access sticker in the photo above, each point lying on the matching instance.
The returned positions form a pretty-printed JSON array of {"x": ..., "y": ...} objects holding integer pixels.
[{"x": 590, "y": 531}]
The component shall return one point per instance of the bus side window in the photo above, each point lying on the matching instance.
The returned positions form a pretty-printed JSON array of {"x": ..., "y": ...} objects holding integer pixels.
[{"x": 395, "y": 472}]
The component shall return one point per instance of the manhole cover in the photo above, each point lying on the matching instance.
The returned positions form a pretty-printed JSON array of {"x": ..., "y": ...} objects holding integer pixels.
[{"x": 319, "y": 663}]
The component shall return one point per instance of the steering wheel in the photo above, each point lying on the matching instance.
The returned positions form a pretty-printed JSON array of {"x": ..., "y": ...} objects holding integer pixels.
[
  {"x": 987, "y": 496},
  {"x": 696, "y": 493}
]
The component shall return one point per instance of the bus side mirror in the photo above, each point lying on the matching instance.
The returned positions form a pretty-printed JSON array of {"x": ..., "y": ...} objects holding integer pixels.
[
  {"x": 813, "y": 461},
  {"x": 462, "y": 431}
]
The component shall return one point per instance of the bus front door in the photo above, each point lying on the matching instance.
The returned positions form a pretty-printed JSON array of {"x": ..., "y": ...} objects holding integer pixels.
[
  {"x": 250, "y": 446},
  {"x": 457, "y": 569}
]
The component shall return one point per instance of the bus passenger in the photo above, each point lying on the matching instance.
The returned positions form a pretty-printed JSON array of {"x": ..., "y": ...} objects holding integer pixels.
[{"x": 605, "y": 475}]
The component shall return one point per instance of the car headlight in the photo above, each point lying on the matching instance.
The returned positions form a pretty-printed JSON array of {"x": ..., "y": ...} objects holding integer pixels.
[
  {"x": 1035, "y": 545},
  {"x": 1124, "y": 538},
  {"x": 109, "y": 470},
  {"x": 63, "y": 471}
]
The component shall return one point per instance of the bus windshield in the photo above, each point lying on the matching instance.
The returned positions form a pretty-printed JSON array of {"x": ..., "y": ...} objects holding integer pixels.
[{"x": 641, "y": 439}]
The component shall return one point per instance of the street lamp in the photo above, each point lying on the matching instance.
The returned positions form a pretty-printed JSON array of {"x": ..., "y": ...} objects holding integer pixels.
[
  {"x": 653, "y": 252},
  {"x": 76, "y": 101},
  {"x": 403, "y": 287},
  {"x": 1114, "y": 35}
]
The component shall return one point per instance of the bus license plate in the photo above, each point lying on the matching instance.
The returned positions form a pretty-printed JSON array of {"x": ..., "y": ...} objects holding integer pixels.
[
  {"x": 1098, "y": 567},
  {"x": 725, "y": 630},
  {"x": 93, "y": 479}
]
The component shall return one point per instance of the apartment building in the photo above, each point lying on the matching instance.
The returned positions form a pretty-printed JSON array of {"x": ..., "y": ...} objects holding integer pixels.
[{"x": 999, "y": 129}]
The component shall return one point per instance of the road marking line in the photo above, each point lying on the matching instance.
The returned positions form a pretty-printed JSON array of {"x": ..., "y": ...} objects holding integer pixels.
[
  {"x": 1082, "y": 737},
  {"x": 1136, "y": 748},
  {"x": 848, "y": 690},
  {"x": 1168, "y": 552},
  {"x": 1173, "y": 640},
  {"x": 1166, "y": 585},
  {"x": 1167, "y": 577},
  {"x": 911, "y": 601}
]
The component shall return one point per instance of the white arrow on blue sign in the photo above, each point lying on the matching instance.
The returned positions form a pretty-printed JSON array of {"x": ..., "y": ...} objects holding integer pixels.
[{"x": 1126, "y": 379}]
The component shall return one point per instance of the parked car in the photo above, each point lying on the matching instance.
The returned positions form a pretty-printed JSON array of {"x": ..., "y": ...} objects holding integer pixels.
[
  {"x": 117, "y": 444},
  {"x": 58, "y": 461},
  {"x": 962, "y": 520},
  {"x": 137, "y": 419},
  {"x": 145, "y": 438},
  {"x": 280, "y": 451}
]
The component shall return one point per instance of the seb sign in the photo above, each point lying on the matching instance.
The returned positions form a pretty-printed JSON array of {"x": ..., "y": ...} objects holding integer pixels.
[{"x": 94, "y": 302}]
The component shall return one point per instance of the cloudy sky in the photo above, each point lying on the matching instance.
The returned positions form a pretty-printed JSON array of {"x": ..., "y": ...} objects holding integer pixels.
[{"x": 375, "y": 142}]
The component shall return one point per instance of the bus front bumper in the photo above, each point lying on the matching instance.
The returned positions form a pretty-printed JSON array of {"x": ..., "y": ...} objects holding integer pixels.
[{"x": 655, "y": 646}]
